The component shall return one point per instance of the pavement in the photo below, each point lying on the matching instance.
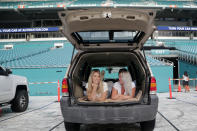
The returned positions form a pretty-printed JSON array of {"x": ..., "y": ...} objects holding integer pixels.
[{"x": 43, "y": 114}]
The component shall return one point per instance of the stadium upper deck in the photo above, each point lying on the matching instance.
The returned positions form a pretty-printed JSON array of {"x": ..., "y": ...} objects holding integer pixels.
[
  {"x": 14, "y": 4},
  {"x": 37, "y": 13}
]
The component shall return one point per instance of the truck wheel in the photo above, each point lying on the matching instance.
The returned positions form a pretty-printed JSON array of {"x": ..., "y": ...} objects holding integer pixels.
[
  {"x": 72, "y": 126},
  {"x": 147, "y": 125},
  {"x": 20, "y": 102}
]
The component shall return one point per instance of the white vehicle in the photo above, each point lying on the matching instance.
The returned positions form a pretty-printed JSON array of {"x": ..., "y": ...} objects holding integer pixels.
[{"x": 13, "y": 90}]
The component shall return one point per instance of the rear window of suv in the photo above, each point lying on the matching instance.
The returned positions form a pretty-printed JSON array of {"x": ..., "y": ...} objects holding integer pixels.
[{"x": 108, "y": 36}]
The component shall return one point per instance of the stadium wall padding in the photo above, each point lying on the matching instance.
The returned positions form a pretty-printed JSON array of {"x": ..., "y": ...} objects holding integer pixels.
[
  {"x": 42, "y": 75},
  {"x": 162, "y": 74}
]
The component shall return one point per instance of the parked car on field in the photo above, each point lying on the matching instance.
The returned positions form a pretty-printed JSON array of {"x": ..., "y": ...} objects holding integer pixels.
[
  {"x": 13, "y": 90},
  {"x": 109, "y": 39}
]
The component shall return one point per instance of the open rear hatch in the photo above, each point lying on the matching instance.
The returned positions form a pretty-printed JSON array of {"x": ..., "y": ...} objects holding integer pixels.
[{"x": 107, "y": 28}]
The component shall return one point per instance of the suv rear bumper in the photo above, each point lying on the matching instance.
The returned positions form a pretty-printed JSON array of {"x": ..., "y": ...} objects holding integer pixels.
[{"x": 109, "y": 114}]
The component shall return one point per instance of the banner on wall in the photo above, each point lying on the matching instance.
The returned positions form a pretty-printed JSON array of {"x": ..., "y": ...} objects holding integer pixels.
[
  {"x": 20, "y": 30},
  {"x": 49, "y": 29},
  {"x": 177, "y": 28}
]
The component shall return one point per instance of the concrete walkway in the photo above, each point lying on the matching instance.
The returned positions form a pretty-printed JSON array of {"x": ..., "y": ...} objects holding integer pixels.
[{"x": 44, "y": 114}]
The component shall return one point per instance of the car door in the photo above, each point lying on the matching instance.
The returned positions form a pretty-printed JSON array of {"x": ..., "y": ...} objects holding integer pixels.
[{"x": 5, "y": 86}]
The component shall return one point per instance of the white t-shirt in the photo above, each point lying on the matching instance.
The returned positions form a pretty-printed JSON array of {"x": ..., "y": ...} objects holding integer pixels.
[
  {"x": 185, "y": 78},
  {"x": 117, "y": 86},
  {"x": 105, "y": 88}
]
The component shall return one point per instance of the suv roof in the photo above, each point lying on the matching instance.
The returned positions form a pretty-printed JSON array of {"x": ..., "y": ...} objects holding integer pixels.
[{"x": 107, "y": 28}]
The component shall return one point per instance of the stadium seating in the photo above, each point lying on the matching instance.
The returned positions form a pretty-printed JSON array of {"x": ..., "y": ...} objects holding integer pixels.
[
  {"x": 154, "y": 62},
  {"x": 150, "y": 43},
  {"x": 53, "y": 57},
  {"x": 23, "y": 49},
  {"x": 38, "y": 4},
  {"x": 182, "y": 45},
  {"x": 55, "y": 3},
  {"x": 187, "y": 49},
  {"x": 125, "y": 1},
  {"x": 88, "y": 2},
  {"x": 43, "y": 54}
]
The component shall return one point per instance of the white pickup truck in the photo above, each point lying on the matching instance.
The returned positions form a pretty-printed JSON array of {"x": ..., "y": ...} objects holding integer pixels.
[{"x": 13, "y": 90}]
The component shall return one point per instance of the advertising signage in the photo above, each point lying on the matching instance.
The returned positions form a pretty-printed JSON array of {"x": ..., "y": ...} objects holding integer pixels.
[
  {"x": 177, "y": 28},
  {"x": 49, "y": 29},
  {"x": 20, "y": 30}
]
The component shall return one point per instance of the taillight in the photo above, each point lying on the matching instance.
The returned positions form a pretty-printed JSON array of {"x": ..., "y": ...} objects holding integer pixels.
[
  {"x": 153, "y": 86},
  {"x": 64, "y": 87}
]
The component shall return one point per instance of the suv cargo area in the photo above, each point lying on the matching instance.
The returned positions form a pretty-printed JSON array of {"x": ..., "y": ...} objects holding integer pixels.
[{"x": 110, "y": 63}]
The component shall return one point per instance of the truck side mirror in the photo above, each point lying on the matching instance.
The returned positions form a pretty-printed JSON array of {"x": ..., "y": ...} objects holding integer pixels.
[{"x": 8, "y": 71}]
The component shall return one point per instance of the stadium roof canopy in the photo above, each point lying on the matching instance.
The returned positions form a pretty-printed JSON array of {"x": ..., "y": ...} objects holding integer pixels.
[{"x": 13, "y": 11}]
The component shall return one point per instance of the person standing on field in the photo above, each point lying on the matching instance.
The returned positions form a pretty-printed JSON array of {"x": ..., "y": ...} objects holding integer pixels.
[{"x": 186, "y": 81}]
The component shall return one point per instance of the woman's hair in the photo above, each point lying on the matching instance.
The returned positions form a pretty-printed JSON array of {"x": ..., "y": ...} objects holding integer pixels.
[
  {"x": 185, "y": 73},
  {"x": 127, "y": 80},
  {"x": 100, "y": 88},
  {"x": 122, "y": 70}
]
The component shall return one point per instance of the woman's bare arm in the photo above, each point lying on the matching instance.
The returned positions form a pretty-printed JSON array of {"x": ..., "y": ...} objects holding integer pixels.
[
  {"x": 116, "y": 96},
  {"x": 92, "y": 95},
  {"x": 103, "y": 97},
  {"x": 133, "y": 92}
]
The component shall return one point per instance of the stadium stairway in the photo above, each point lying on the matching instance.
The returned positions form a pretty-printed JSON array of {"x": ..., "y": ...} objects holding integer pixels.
[{"x": 187, "y": 49}]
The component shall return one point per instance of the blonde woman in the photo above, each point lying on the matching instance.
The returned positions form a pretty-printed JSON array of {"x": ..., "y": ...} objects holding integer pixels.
[
  {"x": 96, "y": 88},
  {"x": 124, "y": 89}
]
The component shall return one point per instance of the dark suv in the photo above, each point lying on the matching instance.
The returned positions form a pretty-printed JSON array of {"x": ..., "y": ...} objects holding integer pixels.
[{"x": 108, "y": 39}]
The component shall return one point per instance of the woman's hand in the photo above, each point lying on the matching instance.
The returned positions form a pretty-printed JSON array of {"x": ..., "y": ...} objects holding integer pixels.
[
  {"x": 95, "y": 86},
  {"x": 102, "y": 97},
  {"x": 92, "y": 95}
]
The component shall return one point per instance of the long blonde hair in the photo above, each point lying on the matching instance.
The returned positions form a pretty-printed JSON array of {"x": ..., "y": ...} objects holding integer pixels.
[
  {"x": 127, "y": 80},
  {"x": 100, "y": 88}
]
